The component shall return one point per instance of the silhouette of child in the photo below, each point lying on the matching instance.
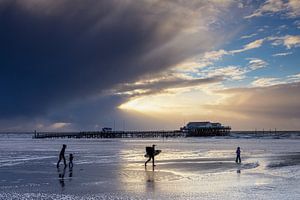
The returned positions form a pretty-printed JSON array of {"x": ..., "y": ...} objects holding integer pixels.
[
  {"x": 71, "y": 160},
  {"x": 238, "y": 155}
]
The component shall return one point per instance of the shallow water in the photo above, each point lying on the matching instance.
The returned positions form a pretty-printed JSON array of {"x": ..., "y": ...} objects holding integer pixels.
[{"x": 187, "y": 168}]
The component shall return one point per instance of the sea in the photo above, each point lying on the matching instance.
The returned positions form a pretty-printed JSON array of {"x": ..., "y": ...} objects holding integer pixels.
[{"x": 186, "y": 168}]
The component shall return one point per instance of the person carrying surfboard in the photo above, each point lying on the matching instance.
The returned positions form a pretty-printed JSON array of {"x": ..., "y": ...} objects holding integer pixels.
[{"x": 150, "y": 152}]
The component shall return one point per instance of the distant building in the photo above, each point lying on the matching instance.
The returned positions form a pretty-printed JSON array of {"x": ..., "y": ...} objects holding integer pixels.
[
  {"x": 205, "y": 128},
  {"x": 216, "y": 124},
  {"x": 197, "y": 125},
  {"x": 106, "y": 129}
]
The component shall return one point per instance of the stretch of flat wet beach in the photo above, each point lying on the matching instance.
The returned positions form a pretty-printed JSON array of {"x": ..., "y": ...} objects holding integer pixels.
[{"x": 187, "y": 168}]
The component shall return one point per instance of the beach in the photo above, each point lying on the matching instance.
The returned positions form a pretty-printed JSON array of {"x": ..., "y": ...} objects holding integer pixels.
[{"x": 187, "y": 168}]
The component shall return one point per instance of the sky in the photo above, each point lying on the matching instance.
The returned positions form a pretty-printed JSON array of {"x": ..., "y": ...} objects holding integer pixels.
[{"x": 73, "y": 65}]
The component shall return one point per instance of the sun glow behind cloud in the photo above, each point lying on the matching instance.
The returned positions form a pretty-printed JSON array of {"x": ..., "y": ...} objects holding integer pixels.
[{"x": 180, "y": 101}]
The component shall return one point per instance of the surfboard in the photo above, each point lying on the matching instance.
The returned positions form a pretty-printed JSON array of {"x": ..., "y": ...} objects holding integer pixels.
[{"x": 155, "y": 153}]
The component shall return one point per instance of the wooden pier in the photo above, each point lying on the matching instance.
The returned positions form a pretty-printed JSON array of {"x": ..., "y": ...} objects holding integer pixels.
[
  {"x": 111, "y": 134},
  {"x": 204, "y": 132}
]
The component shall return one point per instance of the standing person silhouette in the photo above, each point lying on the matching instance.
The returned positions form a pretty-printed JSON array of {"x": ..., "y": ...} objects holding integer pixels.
[
  {"x": 238, "y": 155},
  {"x": 62, "y": 156},
  {"x": 150, "y": 152}
]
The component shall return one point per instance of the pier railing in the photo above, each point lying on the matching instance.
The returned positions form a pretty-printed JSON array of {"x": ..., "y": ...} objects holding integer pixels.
[
  {"x": 110, "y": 134},
  {"x": 199, "y": 132}
]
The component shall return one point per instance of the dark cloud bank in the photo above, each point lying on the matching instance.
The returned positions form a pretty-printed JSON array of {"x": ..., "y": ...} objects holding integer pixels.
[{"x": 55, "y": 53}]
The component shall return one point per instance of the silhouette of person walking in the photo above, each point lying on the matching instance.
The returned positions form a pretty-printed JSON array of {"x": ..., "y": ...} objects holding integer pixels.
[
  {"x": 62, "y": 156},
  {"x": 238, "y": 155},
  {"x": 150, "y": 151},
  {"x": 71, "y": 160}
]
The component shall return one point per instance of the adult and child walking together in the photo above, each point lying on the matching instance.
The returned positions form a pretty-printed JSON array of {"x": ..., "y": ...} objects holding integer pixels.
[{"x": 62, "y": 157}]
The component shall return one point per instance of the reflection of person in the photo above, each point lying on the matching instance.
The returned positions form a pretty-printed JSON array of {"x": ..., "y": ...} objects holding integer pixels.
[
  {"x": 71, "y": 160},
  {"x": 238, "y": 155},
  {"x": 61, "y": 177},
  {"x": 70, "y": 173},
  {"x": 150, "y": 180},
  {"x": 62, "y": 156},
  {"x": 150, "y": 152}
]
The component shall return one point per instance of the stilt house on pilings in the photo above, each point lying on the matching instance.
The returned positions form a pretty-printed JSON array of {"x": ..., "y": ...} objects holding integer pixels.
[{"x": 194, "y": 129}]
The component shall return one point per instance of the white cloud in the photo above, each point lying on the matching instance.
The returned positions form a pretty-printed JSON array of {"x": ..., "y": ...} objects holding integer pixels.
[
  {"x": 240, "y": 5},
  {"x": 282, "y": 27},
  {"x": 269, "y": 81},
  {"x": 252, "y": 45},
  {"x": 269, "y": 6},
  {"x": 203, "y": 67},
  {"x": 207, "y": 59},
  {"x": 59, "y": 125},
  {"x": 215, "y": 55},
  {"x": 256, "y": 63},
  {"x": 282, "y": 54},
  {"x": 191, "y": 66},
  {"x": 289, "y": 41},
  {"x": 229, "y": 72},
  {"x": 233, "y": 72},
  {"x": 297, "y": 24},
  {"x": 294, "y": 6},
  {"x": 294, "y": 78},
  {"x": 248, "y": 36},
  {"x": 164, "y": 84},
  {"x": 264, "y": 82},
  {"x": 290, "y": 8}
]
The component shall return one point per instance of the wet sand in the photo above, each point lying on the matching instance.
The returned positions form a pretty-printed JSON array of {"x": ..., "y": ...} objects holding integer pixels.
[{"x": 186, "y": 169}]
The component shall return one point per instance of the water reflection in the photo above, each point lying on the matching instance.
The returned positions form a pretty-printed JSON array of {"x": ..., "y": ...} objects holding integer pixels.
[
  {"x": 150, "y": 180},
  {"x": 61, "y": 176},
  {"x": 70, "y": 173}
]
